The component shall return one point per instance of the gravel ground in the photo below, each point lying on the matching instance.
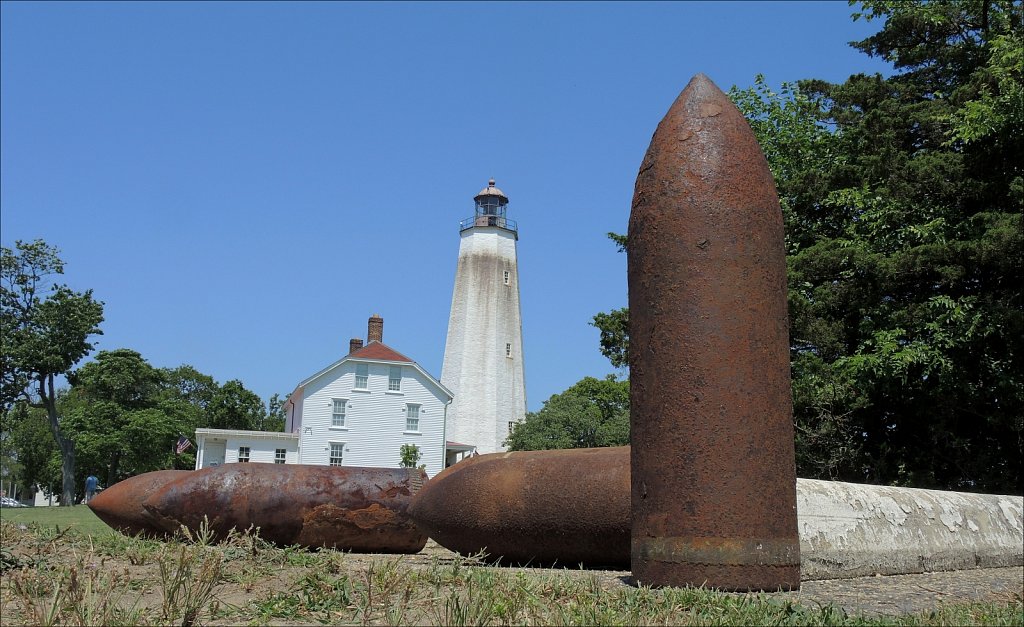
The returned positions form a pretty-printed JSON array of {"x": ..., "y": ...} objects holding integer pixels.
[{"x": 891, "y": 595}]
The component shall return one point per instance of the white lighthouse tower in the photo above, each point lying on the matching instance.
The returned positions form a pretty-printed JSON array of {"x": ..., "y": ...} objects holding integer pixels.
[{"x": 483, "y": 356}]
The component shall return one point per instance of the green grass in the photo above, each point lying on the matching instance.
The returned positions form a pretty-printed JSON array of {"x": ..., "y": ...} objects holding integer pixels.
[
  {"x": 78, "y": 517},
  {"x": 73, "y": 577}
]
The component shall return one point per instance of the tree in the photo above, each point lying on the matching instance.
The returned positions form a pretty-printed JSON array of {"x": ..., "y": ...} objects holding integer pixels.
[
  {"x": 44, "y": 331},
  {"x": 614, "y": 338},
  {"x": 901, "y": 198},
  {"x": 124, "y": 419},
  {"x": 591, "y": 413},
  {"x": 275, "y": 417},
  {"x": 905, "y": 306},
  {"x": 190, "y": 393},
  {"x": 234, "y": 407}
]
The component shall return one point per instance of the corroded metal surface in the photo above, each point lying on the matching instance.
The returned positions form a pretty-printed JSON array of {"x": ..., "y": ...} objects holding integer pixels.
[
  {"x": 120, "y": 505},
  {"x": 713, "y": 468},
  {"x": 566, "y": 507},
  {"x": 348, "y": 508}
]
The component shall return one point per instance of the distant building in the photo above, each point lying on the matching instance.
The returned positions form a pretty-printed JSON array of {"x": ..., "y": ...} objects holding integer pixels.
[
  {"x": 483, "y": 355},
  {"x": 358, "y": 411}
]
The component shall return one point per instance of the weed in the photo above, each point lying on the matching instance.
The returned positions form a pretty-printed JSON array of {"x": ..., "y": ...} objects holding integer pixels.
[
  {"x": 82, "y": 594},
  {"x": 188, "y": 581}
]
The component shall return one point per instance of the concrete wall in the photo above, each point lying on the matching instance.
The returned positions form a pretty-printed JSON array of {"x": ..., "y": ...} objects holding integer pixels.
[{"x": 853, "y": 530}]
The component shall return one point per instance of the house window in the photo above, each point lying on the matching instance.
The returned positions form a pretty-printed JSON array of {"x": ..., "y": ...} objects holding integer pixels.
[
  {"x": 508, "y": 350},
  {"x": 362, "y": 375},
  {"x": 508, "y": 278},
  {"x": 395, "y": 378},
  {"x": 279, "y": 455},
  {"x": 243, "y": 454},
  {"x": 336, "y": 453},
  {"x": 338, "y": 413},
  {"x": 412, "y": 417}
]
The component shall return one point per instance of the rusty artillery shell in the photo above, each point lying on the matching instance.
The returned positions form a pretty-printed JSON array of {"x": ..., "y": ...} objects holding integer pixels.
[
  {"x": 120, "y": 505},
  {"x": 567, "y": 507},
  {"x": 713, "y": 467},
  {"x": 353, "y": 509}
]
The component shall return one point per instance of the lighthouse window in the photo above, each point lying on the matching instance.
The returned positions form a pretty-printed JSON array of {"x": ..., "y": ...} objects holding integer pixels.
[
  {"x": 507, "y": 278},
  {"x": 508, "y": 350}
]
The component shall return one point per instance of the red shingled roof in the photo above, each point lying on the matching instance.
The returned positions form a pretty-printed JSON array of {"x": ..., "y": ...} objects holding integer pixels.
[{"x": 378, "y": 350}]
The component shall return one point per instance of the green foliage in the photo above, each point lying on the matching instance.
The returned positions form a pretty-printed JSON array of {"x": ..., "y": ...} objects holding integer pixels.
[
  {"x": 591, "y": 413},
  {"x": 902, "y": 203},
  {"x": 28, "y": 438},
  {"x": 614, "y": 328},
  {"x": 44, "y": 331},
  {"x": 45, "y": 327},
  {"x": 234, "y": 407},
  {"x": 275, "y": 417},
  {"x": 409, "y": 455},
  {"x": 126, "y": 416},
  {"x": 906, "y": 317}
]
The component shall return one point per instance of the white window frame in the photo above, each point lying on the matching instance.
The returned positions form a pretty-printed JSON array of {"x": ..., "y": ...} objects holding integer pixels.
[
  {"x": 244, "y": 459},
  {"x": 362, "y": 380},
  {"x": 412, "y": 413},
  {"x": 330, "y": 453},
  {"x": 508, "y": 350},
  {"x": 508, "y": 278},
  {"x": 335, "y": 414},
  {"x": 280, "y": 455},
  {"x": 394, "y": 383}
]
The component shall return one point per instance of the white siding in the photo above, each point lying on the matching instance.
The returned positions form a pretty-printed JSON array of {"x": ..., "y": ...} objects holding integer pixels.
[
  {"x": 375, "y": 417},
  {"x": 489, "y": 387},
  {"x": 261, "y": 449}
]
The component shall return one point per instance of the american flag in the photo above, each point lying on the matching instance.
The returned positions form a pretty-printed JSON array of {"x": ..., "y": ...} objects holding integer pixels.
[{"x": 183, "y": 445}]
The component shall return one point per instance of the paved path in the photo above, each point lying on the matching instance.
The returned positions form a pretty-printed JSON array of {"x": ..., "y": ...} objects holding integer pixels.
[{"x": 910, "y": 594}]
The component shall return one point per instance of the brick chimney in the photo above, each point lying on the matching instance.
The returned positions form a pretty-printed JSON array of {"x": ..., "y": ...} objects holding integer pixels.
[
  {"x": 375, "y": 329},
  {"x": 354, "y": 344}
]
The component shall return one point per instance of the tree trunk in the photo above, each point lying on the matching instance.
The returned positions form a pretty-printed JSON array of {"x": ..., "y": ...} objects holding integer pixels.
[
  {"x": 113, "y": 468},
  {"x": 67, "y": 467},
  {"x": 48, "y": 396}
]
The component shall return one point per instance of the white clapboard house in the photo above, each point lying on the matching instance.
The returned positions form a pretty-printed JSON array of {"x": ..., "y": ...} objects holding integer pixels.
[{"x": 358, "y": 411}]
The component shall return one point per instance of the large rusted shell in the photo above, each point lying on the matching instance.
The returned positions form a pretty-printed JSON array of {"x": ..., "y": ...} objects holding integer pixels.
[
  {"x": 713, "y": 468},
  {"x": 566, "y": 507},
  {"x": 120, "y": 505},
  {"x": 347, "y": 508}
]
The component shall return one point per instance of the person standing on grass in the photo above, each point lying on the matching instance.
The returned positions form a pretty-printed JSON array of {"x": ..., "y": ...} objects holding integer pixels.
[{"x": 91, "y": 482}]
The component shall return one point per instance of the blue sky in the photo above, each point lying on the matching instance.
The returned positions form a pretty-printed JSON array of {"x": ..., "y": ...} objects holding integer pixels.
[{"x": 244, "y": 184}]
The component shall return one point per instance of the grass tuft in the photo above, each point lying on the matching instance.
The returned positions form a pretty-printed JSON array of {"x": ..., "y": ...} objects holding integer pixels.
[{"x": 59, "y": 574}]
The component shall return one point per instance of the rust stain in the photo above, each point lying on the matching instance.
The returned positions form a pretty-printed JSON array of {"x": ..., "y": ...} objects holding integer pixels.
[
  {"x": 711, "y": 410},
  {"x": 294, "y": 504},
  {"x": 120, "y": 505},
  {"x": 541, "y": 507},
  {"x": 394, "y": 491}
]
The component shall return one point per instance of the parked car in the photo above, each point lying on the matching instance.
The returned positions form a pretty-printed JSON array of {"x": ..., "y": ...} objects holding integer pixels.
[{"x": 6, "y": 501}]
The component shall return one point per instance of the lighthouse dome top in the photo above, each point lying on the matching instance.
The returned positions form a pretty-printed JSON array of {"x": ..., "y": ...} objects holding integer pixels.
[{"x": 491, "y": 190}]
